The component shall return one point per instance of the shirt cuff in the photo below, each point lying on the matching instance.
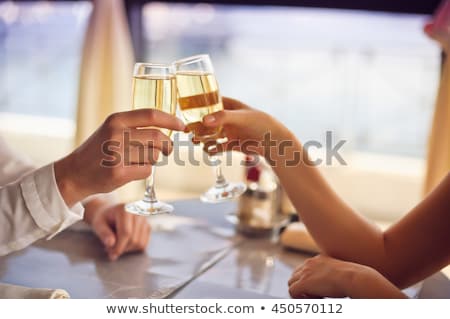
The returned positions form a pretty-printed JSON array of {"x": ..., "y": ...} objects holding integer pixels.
[{"x": 45, "y": 203}]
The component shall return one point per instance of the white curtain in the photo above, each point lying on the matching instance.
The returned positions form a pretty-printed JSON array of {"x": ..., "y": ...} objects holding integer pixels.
[
  {"x": 106, "y": 67},
  {"x": 106, "y": 74}
]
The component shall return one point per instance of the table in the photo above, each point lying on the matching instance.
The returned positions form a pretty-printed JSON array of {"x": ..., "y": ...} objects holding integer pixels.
[{"x": 204, "y": 243}]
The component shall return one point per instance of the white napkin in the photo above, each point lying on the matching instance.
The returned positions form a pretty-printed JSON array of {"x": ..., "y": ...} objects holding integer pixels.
[
  {"x": 297, "y": 237},
  {"x": 20, "y": 292}
]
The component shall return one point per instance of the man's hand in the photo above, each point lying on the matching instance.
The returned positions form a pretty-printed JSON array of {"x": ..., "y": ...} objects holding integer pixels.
[
  {"x": 119, "y": 231},
  {"x": 106, "y": 161}
]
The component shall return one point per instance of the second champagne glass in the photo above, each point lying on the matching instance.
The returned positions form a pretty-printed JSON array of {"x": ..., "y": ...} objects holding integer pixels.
[
  {"x": 154, "y": 87},
  {"x": 198, "y": 95}
]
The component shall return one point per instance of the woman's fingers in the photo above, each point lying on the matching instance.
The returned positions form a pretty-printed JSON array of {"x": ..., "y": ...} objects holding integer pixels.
[
  {"x": 233, "y": 118},
  {"x": 232, "y": 104},
  {"x": 428, "y": 28},
  {"x": 297, "y": 289},
  {"x": 296, "y": 276}
]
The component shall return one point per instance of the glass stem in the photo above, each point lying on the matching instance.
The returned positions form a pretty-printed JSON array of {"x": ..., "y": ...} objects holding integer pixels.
[
  {"x": 150, "y": 195},
  {"x": 220, "y": 179}
]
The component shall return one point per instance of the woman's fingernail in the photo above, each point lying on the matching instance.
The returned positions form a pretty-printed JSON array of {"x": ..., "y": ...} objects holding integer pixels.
[{"x": 209, "y": 118}]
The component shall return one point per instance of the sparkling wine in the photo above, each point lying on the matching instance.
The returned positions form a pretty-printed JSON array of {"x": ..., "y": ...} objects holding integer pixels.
[
  {"x": 198, "y": 95},
  {"x": 155, "y": 92}
]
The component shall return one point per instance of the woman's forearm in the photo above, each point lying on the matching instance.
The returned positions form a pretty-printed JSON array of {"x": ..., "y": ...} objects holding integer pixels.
[{"x": 339, "y": 231}]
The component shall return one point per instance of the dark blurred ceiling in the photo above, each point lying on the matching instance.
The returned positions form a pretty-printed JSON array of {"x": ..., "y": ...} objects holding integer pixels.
[{"x": 400, "y": 6}]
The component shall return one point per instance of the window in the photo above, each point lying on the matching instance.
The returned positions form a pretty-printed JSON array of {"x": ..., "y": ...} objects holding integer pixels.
[
  {"x": 40, "y": 51},
  {"x": 371, "y": 78}
]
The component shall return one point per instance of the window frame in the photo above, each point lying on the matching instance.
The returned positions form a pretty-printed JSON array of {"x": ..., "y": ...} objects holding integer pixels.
[{"x": 134, "y": 9}]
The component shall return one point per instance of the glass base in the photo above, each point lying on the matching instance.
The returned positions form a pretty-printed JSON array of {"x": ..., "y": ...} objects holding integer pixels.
[
  {"x": 219, "y": 194},
  {"x": 146, "y": 208}
]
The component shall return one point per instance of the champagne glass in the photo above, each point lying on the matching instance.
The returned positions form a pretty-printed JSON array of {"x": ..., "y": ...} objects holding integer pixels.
[
  {"x": 154, "y": 87},
  {"x": 198, "y": 95}
]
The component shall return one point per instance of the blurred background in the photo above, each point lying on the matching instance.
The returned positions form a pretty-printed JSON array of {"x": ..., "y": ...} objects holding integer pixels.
[{"x": 364, "y": 70}]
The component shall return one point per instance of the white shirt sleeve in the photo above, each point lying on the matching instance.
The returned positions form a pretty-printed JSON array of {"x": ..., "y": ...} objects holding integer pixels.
[{"x": 31, "y": 204}]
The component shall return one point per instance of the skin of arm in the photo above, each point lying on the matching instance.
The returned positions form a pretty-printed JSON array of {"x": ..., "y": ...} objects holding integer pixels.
[
  {"x": 344, "y": 234},
  {"x": 412, "y": 249}
]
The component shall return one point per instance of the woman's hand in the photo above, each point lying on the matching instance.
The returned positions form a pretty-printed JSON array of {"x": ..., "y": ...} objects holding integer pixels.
[
  {"x": 245, "y": 128},
  {"x": 122, "y": 149},
  {"x": 323, "y": 276},
  {"x": 119, "y": 231}
]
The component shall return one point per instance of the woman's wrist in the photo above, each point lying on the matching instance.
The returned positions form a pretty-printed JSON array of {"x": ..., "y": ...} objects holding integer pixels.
[
  {"x": 366, "y": 282},
  {"x": 278, "y": 131},
  {"x": 280, "y": 146},
  {"x": 353, "y": 282}
]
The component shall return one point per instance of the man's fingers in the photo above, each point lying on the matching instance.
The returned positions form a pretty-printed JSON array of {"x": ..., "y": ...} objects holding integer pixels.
[
  {"x": 146, "y": 118},
  {"x": 105, "y": 233},
  {"x": 144, "y": 236},
  {"x": 147, "y": 156},
  {"x": 140, "y": 235},
  {"x": 135, "y": 172},
  {"x": 148, "y": 139},
  {"x": 147, "y": 234},
  {"x": 124, "y": 227}
]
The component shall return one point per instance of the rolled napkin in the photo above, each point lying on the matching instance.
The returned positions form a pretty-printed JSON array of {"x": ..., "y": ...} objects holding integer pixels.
[
  {"x": 20, "y": 292},
  {"x": 297, "y": 237}
]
